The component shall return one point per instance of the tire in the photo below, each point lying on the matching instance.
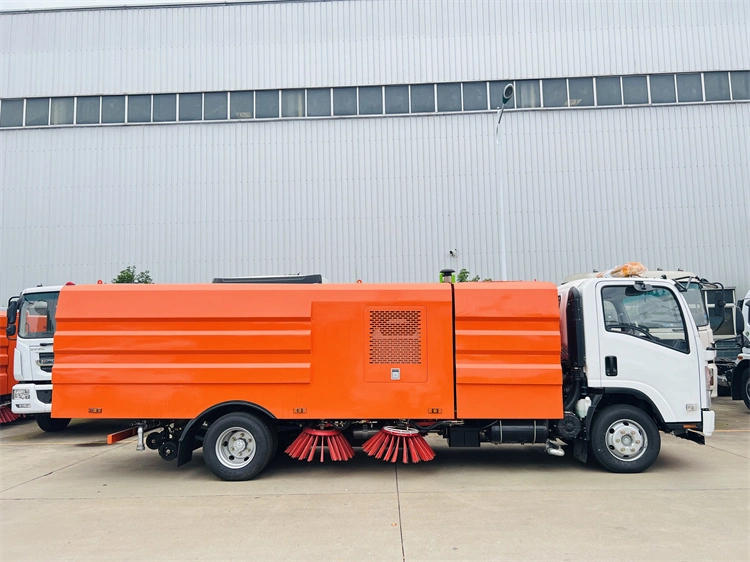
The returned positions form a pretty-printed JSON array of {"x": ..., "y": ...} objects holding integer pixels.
[
  {"x": 50, "y": 424},
  {"x": 237, "y": 446},
  {"x": 745, "y": 387},
  {"x": 640, "y": 439}
]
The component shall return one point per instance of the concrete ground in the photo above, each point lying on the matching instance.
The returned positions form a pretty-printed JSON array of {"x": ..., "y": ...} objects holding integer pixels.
[{"x": 68, "y": 496}]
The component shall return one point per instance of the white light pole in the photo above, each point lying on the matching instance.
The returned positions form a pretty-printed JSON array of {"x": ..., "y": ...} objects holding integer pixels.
[{"x": 507, "y": 94}]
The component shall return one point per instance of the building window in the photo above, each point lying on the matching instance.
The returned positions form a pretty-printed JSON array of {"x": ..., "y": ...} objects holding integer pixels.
[
  {"x": 635, "y": 90},
  {"x": 292, "y": 103},
  {"x": 87, "y": 110},
  {"x": 191, "y": 107},
  {"x": 139, "y": 109},
  {"x": 717, "y": 86},
  {"x": 527, "y": 94},
  {"x": 689, "y": 88},
  {"x": 581, "y": 92},
  {"x": 214, "y": 106},
  {"x": 37, "y": 112},
  {"x": 603, "y": 91},
  {"x": 662, "y": 88},
  {"x": 113, "y": 109},
  {"x": 61, "y": 111},
  {"x": 319, "y": 102},
  {"x": 11, "y": 113},
  {"x": 371, "y": 100},
  {"x": 165, "y": 107},
  {"x": 267, "y": 104},
  {"x": 241, "y": 105},
  {"x": 740, "y": 85},
  {"x": 607, "y": 91},
  {"x": 397, "y": 99},
  {"x": 345, "y": 101},
  {"x": 448, "y": 97},
  {"x": 555, "y": 92},
  {"x": 423, "y": 98},
  {"x": 475, "y": 96}
]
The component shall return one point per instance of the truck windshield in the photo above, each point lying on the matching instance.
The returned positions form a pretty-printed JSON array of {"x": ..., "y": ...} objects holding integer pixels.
[
  {"x": 696, "y": 304},
  {"x": 37, "y": 318}
]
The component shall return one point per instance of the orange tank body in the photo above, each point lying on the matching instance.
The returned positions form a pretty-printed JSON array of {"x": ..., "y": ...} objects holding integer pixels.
[{"x": 307, "y": 352}]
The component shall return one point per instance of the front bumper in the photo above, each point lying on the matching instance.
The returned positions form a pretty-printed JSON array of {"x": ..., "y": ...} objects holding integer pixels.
[
  {"x": 709, "y": 422},
  {"x": 27, "y": 399}
]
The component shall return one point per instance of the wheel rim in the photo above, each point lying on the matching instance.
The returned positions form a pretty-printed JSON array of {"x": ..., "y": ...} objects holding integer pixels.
[
  {"x": 747, "y": 387},
  {"x": 235, "y": 447},
  {"x": 626, "y": 440}
]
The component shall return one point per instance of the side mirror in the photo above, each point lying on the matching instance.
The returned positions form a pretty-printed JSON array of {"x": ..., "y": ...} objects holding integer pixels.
[
  {"x": 12, "y": 311},
  {"x": 10, "y": 330}
]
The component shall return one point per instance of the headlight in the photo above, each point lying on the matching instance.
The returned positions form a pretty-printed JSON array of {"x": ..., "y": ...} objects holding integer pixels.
[{"x": 22, "y": 394}]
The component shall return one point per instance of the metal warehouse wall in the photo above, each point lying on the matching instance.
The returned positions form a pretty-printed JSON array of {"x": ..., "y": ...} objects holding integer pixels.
[
  {"x": 380, "y": 199},
  {"x": 358, "y": 42}
]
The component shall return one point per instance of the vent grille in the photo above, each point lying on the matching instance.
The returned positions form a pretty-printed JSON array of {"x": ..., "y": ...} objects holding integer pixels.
[{"x": 396, "y": 337}]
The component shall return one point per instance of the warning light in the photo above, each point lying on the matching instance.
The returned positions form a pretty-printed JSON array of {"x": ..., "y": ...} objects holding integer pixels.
[
  {"x": 99, "y": 282},
  {"x": 69, "y": 283}
]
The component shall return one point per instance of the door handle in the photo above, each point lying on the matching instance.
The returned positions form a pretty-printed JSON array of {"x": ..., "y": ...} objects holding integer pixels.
[{"x": 610, "y": 366}]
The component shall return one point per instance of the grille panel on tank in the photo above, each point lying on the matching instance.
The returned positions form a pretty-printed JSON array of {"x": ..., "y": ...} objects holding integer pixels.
[{"x": 396, "y": 337}]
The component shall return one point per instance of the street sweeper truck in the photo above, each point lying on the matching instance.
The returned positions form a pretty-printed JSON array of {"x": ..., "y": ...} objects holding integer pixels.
[{"x": 602, "y": 365}]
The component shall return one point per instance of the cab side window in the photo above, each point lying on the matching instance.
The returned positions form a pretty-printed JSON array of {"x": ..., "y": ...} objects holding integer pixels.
[{"x": 652, "y": 315}]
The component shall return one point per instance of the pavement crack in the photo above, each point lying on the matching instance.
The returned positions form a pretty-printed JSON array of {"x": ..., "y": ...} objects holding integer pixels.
[
  {"x": 56, "y": 470},
  {"x": 400, "y": 525}
]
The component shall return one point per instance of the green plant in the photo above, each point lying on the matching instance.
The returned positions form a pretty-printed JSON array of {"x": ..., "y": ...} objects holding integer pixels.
[
  {"x": 463, "y": 277},
  {"x": 128, "y": 275}
]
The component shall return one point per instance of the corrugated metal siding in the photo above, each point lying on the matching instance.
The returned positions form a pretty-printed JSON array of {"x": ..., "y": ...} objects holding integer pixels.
[
  {"x": 339, "y": 43},
  {"x": 380, "y": 199}
]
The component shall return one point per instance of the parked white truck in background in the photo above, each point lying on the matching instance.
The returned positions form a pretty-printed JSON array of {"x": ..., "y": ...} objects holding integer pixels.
[
  {"x": 31, "y": 319},
  {"x": 738, "y": 378},
  {"x": 693, "y": 289}
]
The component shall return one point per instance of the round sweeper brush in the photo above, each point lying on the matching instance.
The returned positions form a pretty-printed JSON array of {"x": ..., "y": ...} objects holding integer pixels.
[
  {"x": 310, "y": 439},
  {"x": 7, "y": 415},
  {"x": 385, "y": 444}
]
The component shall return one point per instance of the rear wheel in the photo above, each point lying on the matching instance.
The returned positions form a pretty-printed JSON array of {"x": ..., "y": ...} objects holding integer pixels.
[
  {"x": 48, "y": 423},
  {"x": 625, "y": 439},
  {"x": 237, "y": 446}
]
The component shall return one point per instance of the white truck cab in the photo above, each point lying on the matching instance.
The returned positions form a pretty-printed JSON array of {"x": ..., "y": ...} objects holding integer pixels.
[
  {"x": 645, "y": 343},
  {"x": 31, "y": 319},
  {"x": 693, "y": 289}
]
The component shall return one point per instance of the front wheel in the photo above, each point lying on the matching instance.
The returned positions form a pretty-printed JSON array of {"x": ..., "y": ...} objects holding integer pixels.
[
  {"x": 745, "y": 387},
  {"x": 48, "y": 423},
  {"x": 625, "y": 439},
  {"x": 237, "y": 446}
]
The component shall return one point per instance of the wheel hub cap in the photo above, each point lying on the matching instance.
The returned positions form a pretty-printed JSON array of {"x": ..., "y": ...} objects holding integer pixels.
[
  {"x": 626, "y": 440},
  {"x": 235, "y": 447}
]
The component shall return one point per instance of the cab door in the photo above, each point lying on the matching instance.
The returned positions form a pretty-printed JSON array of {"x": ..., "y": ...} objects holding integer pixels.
[{"x": 648, "y": 346}]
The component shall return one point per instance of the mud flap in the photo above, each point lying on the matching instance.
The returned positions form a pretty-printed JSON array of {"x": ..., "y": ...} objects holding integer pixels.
[
  {"x": 694, "y": 436},
  {"x": 580, "y": 450}
]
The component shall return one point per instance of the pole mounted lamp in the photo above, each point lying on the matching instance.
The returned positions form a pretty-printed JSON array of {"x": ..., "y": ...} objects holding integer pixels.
[{"x": 507, "y": 94}]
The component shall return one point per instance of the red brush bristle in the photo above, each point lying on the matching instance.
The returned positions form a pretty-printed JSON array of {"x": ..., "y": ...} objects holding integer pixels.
[
  {"x": 7, "y": 415},
  {"x": 390, "y": 442},
  {"x": 305, "y": 446}
]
